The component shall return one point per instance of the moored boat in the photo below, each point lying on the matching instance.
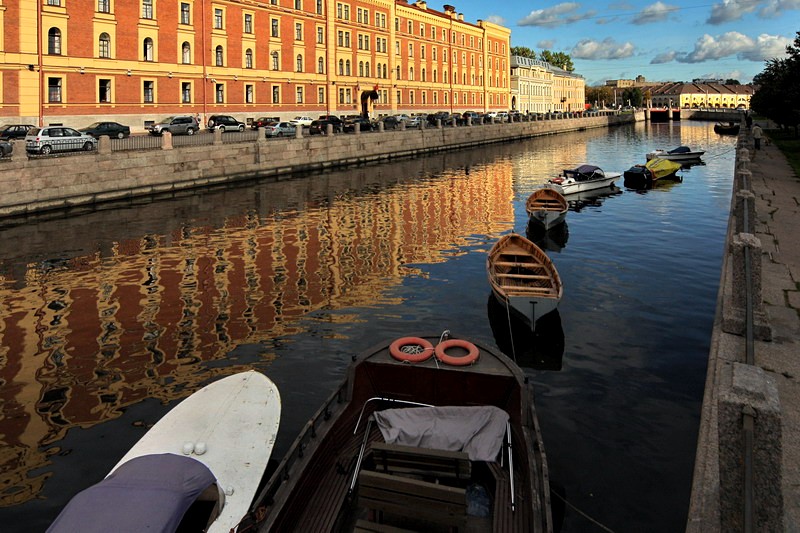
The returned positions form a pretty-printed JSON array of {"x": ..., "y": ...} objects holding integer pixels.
[
  {"x": 647, "y": 174},
  {"x": 680, "y": 154},
  {"x": 523, "y": 277},
  {"x": 196, "y": 469},
  {"x": 727, "y": 128},
  {"x": 373, "y": 452},
  {"x": 546, "y": 207},
  {"x": 584, "y": 178}
]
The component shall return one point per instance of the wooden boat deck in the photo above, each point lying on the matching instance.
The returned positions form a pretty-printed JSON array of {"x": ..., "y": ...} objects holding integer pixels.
[{"x": 517, "y": 271}]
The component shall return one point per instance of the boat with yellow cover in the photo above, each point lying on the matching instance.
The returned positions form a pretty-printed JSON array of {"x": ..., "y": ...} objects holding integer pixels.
[{"x": 647, "y": 174}]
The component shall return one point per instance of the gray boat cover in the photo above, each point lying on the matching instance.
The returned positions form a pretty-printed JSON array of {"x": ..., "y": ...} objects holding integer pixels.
[
  {"x": 149, "y": 493},
  {"x": 478, "y": 431}
]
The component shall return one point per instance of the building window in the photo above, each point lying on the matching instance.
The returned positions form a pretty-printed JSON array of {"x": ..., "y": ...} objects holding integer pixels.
[
  {"x": 219, "y": 56},
  {"x": 54, "y": 90},
  {"x": 298, "y": 4},
  {"x": 422, "y": 52},
  {"x": 147, "y": 52},
  {"x": 397, "y": 74},
  {"x": 248, "y": 58},
  {"x": 275, "y": 60},
  {"x": 341, "y": 67},
  {"x": 248, "y": 23},
  {"x": 399, "y": 100},
  {"x": 186, "y": 92},
  {"x": 347, "y": 68},
  {"x": 104, "y": 91},
  {"x": 410, "y": 73},
  {"x": 298, "y": 31},
  {"x": 249, "y": 94},
  {"x": 320, "y": 66},
  {"x": 319, "y": 7},
  {"x": 299, "y": 95},
  {"x": 421, "y": 30},
  {"x": 321, "y": 95},
  {"x": 361, "y": 69},
  {"x": 53, "y": 2},
  {"x": 320, "y": 36},
  {"x": 54, "y": 42},
  {"x": 410, "y": 49},
  {"x": 148, "y": 91},
  {"x": 104, "y": 45},
  {"x": 299, "y": 63},
  {"x": 104, "y": 6},
  {"x": 274, "y": 28},
  {"x": 346, "y": 12},
  {"x": 423, "y": 75},
  {"x": 219, "y": 93},
  {"x": 186, "y": 53},
  {"x": 185, "y": 11},
  {"x": 147, "y": 9},
  {"x": 410, "y": 28},
  {"x": 276, "y": 94},
  {"x": 217, "y": 19}
]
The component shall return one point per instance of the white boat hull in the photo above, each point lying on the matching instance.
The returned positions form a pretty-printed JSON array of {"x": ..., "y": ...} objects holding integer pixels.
[
  {"x": 528, "y": 308},
  {"x": 547, "y": 219},
  {"x": 572, "y": 187},
  {"x": 687, "y": 156}
]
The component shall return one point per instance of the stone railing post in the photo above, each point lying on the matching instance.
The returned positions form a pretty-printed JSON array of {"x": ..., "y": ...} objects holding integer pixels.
[
  {"x": 329, "y": 129},
  {"x": 166, "y": 141},
  {"x": 735, "y": 309},
  {"x": 298, "y": 131},
  {"x": 381, "y": 126},
  {"x": 750, "y": 412},
  {"x": 104, "y": 144},
  {"x": 744, "y": 208},
  {"x": 261, "y": 137},
  {"x": 217, "y": 136},
  {"x": 18, "y": 151}
]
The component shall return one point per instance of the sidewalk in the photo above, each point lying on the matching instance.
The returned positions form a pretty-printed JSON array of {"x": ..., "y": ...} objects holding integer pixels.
[{"x": 777, "y": 206}]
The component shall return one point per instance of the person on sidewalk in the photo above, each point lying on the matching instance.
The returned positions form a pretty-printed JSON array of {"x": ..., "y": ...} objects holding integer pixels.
[{"x": 757, "y": 134}]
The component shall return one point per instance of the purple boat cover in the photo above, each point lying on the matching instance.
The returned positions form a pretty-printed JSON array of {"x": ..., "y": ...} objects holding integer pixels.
[
  {"x": 146, "y": 494},
  {"x": 478, "y": 430}
]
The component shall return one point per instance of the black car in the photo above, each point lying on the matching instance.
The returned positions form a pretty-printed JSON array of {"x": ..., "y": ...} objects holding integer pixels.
[
  {"x": 320, "y": 127},
  {"x": 260, "y": 122},
  {"x": 444, "y": 116},
  {"x": 390, "y": 122},
  {"x": 224, "y": 123},
  {"x": 112, "y": 129},
  {"x": 15, "y": 131},
  {"x": 363, "y": 124},
  {"x": 5, "y": 148}
]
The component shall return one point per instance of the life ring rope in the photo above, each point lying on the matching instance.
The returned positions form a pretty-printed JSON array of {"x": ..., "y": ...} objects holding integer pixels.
[{"x": 411, "y": 349}]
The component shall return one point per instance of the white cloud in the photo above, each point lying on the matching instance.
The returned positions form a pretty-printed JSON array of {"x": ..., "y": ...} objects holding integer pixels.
[
  {"x": 496, "y": 19},
  {"x": 665, "y": 57},
  {"x": 732, "y": 43},
  {"x": 776, "y": 8},
  {"x": 552, "y": 17},
  {"x": 738, "y": 75},
  {"x": 546, "y": 44},
  {"x": 730, "y": 10},
  {"x": 654, "y": 13},
  {"x": 605, "y": 49}
]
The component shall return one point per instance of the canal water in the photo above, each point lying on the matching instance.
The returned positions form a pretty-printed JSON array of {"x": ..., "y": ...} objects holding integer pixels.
[{"x": 110, "y": 317}]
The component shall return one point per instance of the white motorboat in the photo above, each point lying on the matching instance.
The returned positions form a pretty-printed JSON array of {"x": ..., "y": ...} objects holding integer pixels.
[
  {"x": 197, "y": 469},
  {"x": 584, "y": 178},
  {"x": 680, "y": 154}
]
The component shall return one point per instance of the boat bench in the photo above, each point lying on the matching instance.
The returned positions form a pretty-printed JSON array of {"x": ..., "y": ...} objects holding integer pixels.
[{"x": 424, "y": 462}]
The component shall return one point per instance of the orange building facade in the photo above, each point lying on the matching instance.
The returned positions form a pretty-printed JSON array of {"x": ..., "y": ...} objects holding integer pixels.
[{"x": 73, "y": 62}]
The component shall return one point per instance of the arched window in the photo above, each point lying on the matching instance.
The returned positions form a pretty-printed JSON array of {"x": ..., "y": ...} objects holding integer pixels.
[
  {"x": 186, "y": 53},
  {"x": 248, "y": 58},
  {"x": 54, "y": 41},
  {"x": 435, "y": 76},
  {"x": 275, "y": 61},
  {"x": 423, "y": 75},
  {"x": 347, "y": 68},
  {"x": 147, "y": 52},
  {"x": 366, "y": 69},
  {"x": 299, "y": 60},
  {"x": 218, "y": 55},
  {"x": 361, "y": 68},
  {"x": 320, "y": 66},
  {"x": 104, "y": 45},
  {"x": 398, "y": 72},
  {"x": 341, "y": 67},
  {"x": 410, "y": 73}
]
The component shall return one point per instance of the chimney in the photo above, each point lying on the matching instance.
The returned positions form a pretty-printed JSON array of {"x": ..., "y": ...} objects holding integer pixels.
[
  {"x": 422, "y": 4},
  {"x": 461, "y": 16}
]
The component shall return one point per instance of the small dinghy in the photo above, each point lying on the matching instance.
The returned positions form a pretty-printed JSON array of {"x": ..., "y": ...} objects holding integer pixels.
[
  {"x": 680, "y": 154},
  {"x": 727, "y": 128},
  {"x": 546, "y": 207},
  {"x": 655, "y": 169}
]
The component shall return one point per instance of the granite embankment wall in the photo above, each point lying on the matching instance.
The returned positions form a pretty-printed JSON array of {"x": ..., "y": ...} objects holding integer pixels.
[{"x": 39, "y": 184}]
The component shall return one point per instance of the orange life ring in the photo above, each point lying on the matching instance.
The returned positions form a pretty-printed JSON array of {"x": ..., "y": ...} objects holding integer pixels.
[
  {"x": 471, "y": 357},
  {"x": 411, "y": 349}
]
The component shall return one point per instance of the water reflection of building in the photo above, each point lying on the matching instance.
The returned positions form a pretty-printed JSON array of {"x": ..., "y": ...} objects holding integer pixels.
[{"x": 83, "y": 337}]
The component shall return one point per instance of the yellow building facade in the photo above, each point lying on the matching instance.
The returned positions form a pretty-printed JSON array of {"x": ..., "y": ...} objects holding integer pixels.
[
  {"x": 73, "y": 62},
  {"x": 539, "y": 87}
]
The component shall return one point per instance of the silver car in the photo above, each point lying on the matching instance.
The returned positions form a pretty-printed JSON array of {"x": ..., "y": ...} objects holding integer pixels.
[
  {"x": 280, "y": 129},
  {"x": 177, "y": 125},
  {"x": 57, "y": 139}
]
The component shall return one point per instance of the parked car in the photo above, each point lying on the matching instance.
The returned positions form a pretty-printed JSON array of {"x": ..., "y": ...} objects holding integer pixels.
[
  {"x": 302, "y": 121},
  {"x": 320, "y": 127},
  {"x": 413, "y": 122},
  {"x": 444, "y": 116},
  {"x": 403, "y": 117},
  {"x": 15, "y": 131},
  {"x": 280, "y": 129},
  {"x": 177, "y": 125},
  {"x": 260, "y": 122},
  {"x": 224, "y": 123},
  {"x": 112, "y": 129},
  {"x": 363, "y": 124},
  {"x": 502, "y": 116},
  {"x": 5, "y": 148},
  {"x": 57, "y": 139},
  {"x": 473, "y": 115},
  {"x": 391, "y": 122}
]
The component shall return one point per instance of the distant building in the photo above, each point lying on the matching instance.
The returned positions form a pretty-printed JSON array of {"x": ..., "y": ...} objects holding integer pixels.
[
  {"x": 539, "y": 87},
  {"x": 702, "y": 95}
]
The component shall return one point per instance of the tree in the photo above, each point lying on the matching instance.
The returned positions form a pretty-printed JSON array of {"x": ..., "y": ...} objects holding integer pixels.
[
  {"x": 633, "y": 95},
  {"x": 523, "y": 51},
  {"x": 731, "y": 81},
  {"x": 778, "y": 88},
  {"x": 557, "y": 59},
  {"x": 599, "y": 96}
]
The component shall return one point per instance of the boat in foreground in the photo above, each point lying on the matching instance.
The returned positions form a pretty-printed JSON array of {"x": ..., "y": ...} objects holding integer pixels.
[
  {"x": 523, "y": 277},
  {"x": 680, "y": 154},
  {"x": 196, "y": 469},
  {"x": 376, "y": 452},
  {"x": 546, "y": 207},
  {"x": 584, "y": 178},
  {"x": 647, "y": 174},
  {"x": 727, "y": 128}
]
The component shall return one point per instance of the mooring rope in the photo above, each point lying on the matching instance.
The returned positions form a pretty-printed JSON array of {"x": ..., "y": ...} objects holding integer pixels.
[
  {"x": 586, "y": 516},
  {"x": 510, "y": 332}
]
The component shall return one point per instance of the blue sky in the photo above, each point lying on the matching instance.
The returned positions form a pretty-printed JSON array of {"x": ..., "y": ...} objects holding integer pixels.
[{"x": 663, "y": 41}]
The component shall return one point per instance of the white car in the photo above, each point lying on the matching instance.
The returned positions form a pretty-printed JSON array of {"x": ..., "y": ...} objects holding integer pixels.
[
  {"x": 302, "y": 121},
  {"x": 57, "y": 139}
]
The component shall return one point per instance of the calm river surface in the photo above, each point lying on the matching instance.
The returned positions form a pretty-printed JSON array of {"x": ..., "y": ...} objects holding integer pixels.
[{"x": 108, "y": 318}]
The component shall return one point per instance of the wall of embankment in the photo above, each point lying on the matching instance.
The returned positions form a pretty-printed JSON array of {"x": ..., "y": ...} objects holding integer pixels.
[{"x": 31, "y": 185}]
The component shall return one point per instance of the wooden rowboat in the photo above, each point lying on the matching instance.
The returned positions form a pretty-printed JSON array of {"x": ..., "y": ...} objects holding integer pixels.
[
  {"x": 353, "y": 466},
  {"x": 546, "y": 207},
  {"x": 523, "y": 277}
]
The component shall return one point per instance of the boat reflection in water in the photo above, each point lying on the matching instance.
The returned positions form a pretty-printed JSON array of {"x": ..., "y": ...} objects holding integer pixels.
[
  {"x": 593, "y": 198},
  {"x": 552, "y": 240},
  {"x": 542, "y": 349}
]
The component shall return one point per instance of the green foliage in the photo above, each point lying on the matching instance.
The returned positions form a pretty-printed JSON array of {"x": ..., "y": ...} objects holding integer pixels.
[
  {"x": 597, "y": 96},
  {"x": 523, "y": 51},
  {"x": 633, "y": 96},
  {"x": 731, "y": 81},
  {"x": 557, "y": 59},
  {"x": 778, "y": 94}
]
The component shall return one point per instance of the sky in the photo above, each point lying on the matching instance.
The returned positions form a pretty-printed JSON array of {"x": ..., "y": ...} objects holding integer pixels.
[{"x": 662, "y": 41}]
